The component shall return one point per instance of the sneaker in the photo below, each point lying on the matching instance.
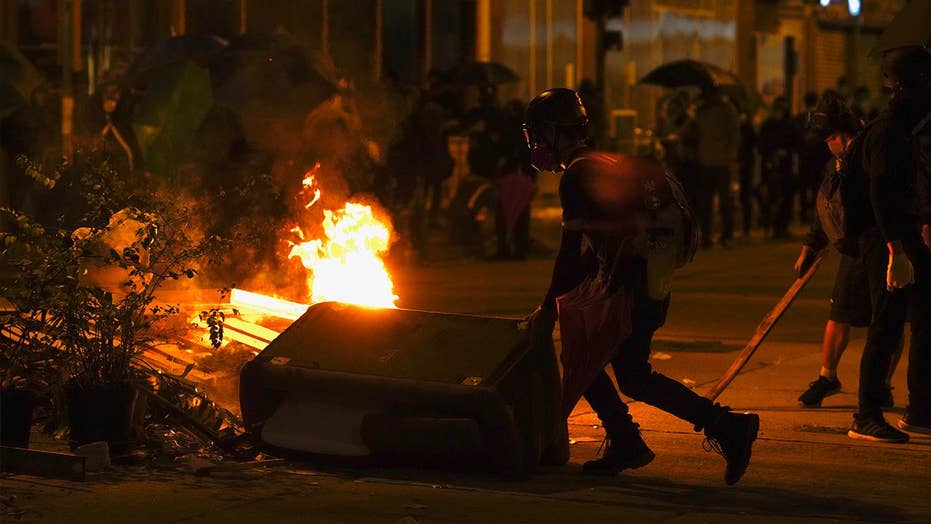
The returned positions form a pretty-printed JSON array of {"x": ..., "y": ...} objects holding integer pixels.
[
  {"x": 909, "y": 422},
  {"x": 818, "y": 390},
  {"x": 732, "y": 436},
  {"x": 875, "y": 429},
  {"x": 630, "y": 452}
]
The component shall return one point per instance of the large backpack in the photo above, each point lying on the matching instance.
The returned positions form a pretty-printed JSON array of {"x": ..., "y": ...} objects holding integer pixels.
[
  {"x": 843, "y": 196},
  {"x": 670, "y": 224}
]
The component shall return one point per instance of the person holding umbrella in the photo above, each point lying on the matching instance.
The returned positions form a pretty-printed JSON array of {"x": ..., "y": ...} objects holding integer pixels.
[
  {"x": 613, "y": 259},
  {"x": 710, "y": 139},
  {"x": 713, "y": 134}
]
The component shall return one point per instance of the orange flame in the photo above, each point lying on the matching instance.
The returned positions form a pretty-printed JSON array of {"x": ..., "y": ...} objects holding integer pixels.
[{"x": 346, "y": 265}]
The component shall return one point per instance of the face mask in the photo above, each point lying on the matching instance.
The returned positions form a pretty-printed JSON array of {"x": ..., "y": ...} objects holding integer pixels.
[
  {"x": 543, "y": 159},
  {"x": 837, "y": 148}
]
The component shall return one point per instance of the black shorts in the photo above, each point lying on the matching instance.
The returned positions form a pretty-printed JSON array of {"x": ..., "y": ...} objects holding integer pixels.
[{"x": 850, "y": 301}]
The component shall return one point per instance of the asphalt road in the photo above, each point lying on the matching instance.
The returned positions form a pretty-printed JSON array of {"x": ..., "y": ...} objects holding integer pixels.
[{"x": 804, "y": 467}]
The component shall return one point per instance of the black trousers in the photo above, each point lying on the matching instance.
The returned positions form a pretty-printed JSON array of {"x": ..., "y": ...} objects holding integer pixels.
[
  {"x": 745, "y": 176},
  {"x": 637, "y": 380},
  {"x": 711, "y": 181},
  {"x": 891, "y": 309},
  {"x": 777, "y": 193}
]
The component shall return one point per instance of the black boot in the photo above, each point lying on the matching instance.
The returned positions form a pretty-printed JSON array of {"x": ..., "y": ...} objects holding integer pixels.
[
  {"x": 731, "y": 436},
  {"x": 622, "y": 451}
]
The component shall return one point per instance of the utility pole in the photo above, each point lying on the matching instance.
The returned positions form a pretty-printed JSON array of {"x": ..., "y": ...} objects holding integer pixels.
[
  {"x": 66, "y": 58},
  {"x": 599, "y": 11}
]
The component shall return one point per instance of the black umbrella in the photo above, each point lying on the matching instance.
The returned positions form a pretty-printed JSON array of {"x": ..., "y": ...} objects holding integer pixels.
[
  {"x": 688, "y": 72},
  {"x": 197, "y": 48},
  {"x": 911, "y": 27},
  {"x": 483, "y": 73},
  {"x": 271, "y": 83},
  {"x": 18, "y": 79}
]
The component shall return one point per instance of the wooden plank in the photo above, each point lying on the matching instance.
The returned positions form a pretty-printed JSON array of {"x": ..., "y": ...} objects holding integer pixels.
[
  {"x": 48, "y": 464},
  {"x": 253, "y": 330},
  {"x": 764, "y": 328}
]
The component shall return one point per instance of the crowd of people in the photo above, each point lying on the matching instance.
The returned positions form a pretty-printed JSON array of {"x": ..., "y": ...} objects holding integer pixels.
[
  {"x": 713, "y": 139},
  {"x": 497, "y": 187}
]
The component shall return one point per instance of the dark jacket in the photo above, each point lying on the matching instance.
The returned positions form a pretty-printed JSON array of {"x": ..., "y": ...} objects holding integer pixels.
[{"x": 892, "y": 159}]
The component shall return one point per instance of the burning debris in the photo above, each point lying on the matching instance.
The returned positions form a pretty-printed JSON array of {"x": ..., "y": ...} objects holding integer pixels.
[{"x": 346, "y": 264}]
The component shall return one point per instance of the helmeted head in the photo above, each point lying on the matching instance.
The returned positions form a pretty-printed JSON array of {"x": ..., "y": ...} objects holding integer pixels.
[
  {"x": 834, "y": 122},
  {"x": 907, "y": 69},
  {"x": 555, "y": 123},
  {"x": 832, "y": 115}
]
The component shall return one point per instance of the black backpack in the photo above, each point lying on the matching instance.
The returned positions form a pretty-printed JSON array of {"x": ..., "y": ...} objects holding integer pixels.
[{"x": 843, "y": 197}]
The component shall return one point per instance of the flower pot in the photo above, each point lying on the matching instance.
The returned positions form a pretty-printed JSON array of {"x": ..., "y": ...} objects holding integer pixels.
[
  {"x": 101, "y": 413},
  {"x": 16, "y": 417}
]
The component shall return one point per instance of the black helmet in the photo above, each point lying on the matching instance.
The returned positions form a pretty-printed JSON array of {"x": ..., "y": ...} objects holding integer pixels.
[
  {"x": 832, "y": 116},
  {"x": 557, "y": 107},
  {"x": 909, "y": 67}
]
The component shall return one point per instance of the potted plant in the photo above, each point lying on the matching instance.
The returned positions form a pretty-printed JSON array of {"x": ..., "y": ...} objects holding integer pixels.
[
  {"x": 134, "y": 241},
  {"x": 113, "y": 313},
  {"x": 29, "y": 358}
]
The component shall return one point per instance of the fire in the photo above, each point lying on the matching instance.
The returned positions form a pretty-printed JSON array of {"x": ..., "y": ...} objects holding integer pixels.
[{"x": 346, "y": 264}]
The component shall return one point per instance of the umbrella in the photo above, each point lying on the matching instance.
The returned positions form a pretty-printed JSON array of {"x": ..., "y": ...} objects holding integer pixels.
[
  {"x": 170, "y": 113},
  {"x": 484, "y": 73},
  {"x": 177, "y": 49},
  {"x": 746, "y": 100},
  {"x": 911, "y": 27},
  {"x": 684, "y": 73},
  {"x": 272, "y": 83},
  {"x": 18, "y": 79}
]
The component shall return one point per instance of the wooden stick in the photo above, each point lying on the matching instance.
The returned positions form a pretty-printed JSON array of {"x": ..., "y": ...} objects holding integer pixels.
[{"x": 764, "y": 328}]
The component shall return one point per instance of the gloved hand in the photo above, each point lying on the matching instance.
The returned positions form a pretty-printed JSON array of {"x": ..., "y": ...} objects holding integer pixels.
[
  {"x": 805, "y": 260},
  {"x": 542, "y": 321},
  {"x": 900, "y": 272}
]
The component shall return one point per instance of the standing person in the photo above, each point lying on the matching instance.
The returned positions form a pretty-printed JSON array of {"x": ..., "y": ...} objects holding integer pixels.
[
  {"x": 897, "y": 159},
  {"x": 843, "y": 195},
  {"x": 860, "y": 104},
  {"x": 778, "y": 143},
  {"x": 714, "y": 136},
  {"x": 603, "y": 199},
  {"x": 813, "y": 154},
  {"x": 746, "y": 164},
  {"x": 673, "y": 115}
]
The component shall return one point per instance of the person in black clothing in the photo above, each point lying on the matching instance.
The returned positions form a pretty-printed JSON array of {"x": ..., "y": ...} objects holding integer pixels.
[
  {"x": 897, "y": 248},
  {"x": 778, "y": 142},
  {"x": 838, "y": 128},
  {"x": 596, "y": 226},
  {"x": 746, "y": 162},
  {"x": 813, "y": 154}
]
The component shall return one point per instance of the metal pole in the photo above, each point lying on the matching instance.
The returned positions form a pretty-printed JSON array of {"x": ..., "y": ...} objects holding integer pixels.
[
  {"x": 178, "y": 14},
  {"x": 325, "y": 30},
  {"x": 483, "y": 31},
  {"x": 533, "y": 47},
  {"x": 379, "y": 43},
  {"x": 579, "y": 37},
  {"x": 427, "y": 37},
  {"x": 549, "y": 43},
  {"x": 65, "y": 56}
]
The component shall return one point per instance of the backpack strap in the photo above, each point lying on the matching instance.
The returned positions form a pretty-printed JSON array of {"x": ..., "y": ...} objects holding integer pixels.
[{"x": 921, "y": 124}]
